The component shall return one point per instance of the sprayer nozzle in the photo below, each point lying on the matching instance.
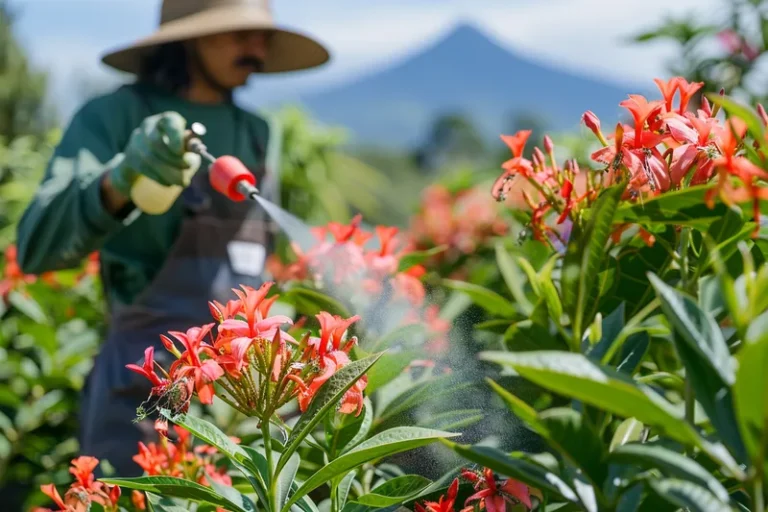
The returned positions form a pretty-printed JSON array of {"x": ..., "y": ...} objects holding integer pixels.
[{"x": 247, "y": 189}]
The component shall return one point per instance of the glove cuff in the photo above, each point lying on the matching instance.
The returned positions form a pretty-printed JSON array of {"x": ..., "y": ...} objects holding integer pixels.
[{"x": 120, "y": 176}]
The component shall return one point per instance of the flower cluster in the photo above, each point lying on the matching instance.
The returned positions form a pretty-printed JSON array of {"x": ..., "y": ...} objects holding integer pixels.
[
  {"x": 180, "y": 459},
  {"x": 490, "y": 494},
  {"x": 257, "y": 366},
  {"x": 84, "y": 491},
  {"x": 370, "y": 279},
  {"x": 341, "y": 261},
  {"x": 462, "y": 221},
  {"x": 667, "y": 146},
  {"x": 12, "y": 277}
]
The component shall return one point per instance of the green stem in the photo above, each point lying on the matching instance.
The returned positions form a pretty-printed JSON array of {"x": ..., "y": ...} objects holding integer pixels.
[
  {"x": 273, "y": 506},
  {"x": 759, "y": 498},
  {"x": 690, "y": 404},
  {"x": 334, "y": 499},
  {"x": 629, "y": 329},
  {"x": 684, "y": 263}
]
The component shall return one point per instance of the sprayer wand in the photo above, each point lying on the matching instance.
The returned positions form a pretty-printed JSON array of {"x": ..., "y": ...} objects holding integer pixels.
[{"x": 228, "y": 175}]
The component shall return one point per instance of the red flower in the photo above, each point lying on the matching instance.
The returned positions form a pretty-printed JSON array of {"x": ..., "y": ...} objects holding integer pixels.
[
  {"x": 203, "y": 372},
  {"x": 138, "y": 499},
  {"x": 494, "y": 497},
  {"x": 444, "y": 503},
  {"x": 332, "y": 329},
  {"x": 148, "y": 368},
  {"x": 330, "y": 364},
  {"x": 642, "y": 110},
  {"x": 693, "y": 135}
]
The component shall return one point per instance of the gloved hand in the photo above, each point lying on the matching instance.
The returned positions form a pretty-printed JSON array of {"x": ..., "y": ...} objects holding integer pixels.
[{"x": 156, "y": 150}]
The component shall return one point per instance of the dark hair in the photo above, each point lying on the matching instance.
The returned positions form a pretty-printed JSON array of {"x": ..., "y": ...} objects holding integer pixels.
[{"x": 166, "y": 67}]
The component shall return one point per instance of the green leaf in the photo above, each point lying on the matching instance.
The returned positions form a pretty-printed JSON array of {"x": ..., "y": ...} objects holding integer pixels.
[
  {"x": 565, "y": 431},
  {"x": 28, "y": 306},
  {"x": 231, "y": 494},
  {"x": 30, "y": 417},
  {"x": 683, "y": 207},
  {"x": 575, "y": 376},
  {"x": 403, "y": 335},
  {"x": 452, "y": 420},
  {"x": 629, "y": 431},
  {"x": 386, "y": 443},
  {"x": 180, "y": 488},
  {"x": 286, "y": 478},
  {"x": 243, "y": 460},
  {"x": 633, "y": 351},
  {"x": 209, "y": 434},
  {"x": 746, "y": 114},
  {"x": 568, "y": 432},
  {"x": 417, "y": 257},
  {"x": 494, "y": 326},
  {"x": 724, "y": 235},
  {"x": 389, "y": 367},
  {"x": 548, "y": 291},
  {"x": 344, "y": 487},
  {"x": 483, "y": 297},
  {"x": 395, "y": 491},
  {"x": 518, "y": 407},
  {"x": 163, "y": 504},
  {"x": 584, "y": 255},
  {"x": 611, "y": 326},
  {"x": 420, "y": 393},
  {"x": 513, "y": 277},
  {"x": 671, "y": 464},
  {"x": 326, "y": 399},
  {"x": 707, "y": 361},
  {"x": 534, "y": 333},
  {"x": 516, "y": 466},
  {"x": 310, "y": 302},
  {"x": 698, "y": 329},
  {"x": 352, "y": 430},
  {"x": 688, "y": 495},
  {"x": 751, "y": 399}
]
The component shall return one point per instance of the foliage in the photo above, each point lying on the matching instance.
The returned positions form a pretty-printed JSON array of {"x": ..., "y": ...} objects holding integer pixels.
[
  {"x": 318, "y": 181},
  {"x": 49, "y": 333},
  {"x": 724, "y": 53},
  {"x": 257, "y": 368},
  {"x": 23, "y": 89},
  {"x": 643, "y": 328}
]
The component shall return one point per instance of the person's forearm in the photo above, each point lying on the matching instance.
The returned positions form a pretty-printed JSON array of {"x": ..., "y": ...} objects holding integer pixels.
[{"x": 69, "y": 217}]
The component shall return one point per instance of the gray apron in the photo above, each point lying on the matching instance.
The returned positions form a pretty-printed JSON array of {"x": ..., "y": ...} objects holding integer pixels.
[{"x": 198, "y": 268}]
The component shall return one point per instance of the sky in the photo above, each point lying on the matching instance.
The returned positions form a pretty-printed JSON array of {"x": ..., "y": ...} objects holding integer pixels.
[{"x": 591, "y": 37}]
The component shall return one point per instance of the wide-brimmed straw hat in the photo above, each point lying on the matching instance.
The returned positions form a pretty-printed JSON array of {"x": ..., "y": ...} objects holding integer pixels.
[{"x": 187, "y": 19}]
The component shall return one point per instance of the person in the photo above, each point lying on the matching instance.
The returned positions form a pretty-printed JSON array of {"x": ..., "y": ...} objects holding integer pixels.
[{"x": 159, "y": 271}]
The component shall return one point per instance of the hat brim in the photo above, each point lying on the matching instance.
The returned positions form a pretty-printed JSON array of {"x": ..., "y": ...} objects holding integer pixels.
[{"x": 288, "y": 50}]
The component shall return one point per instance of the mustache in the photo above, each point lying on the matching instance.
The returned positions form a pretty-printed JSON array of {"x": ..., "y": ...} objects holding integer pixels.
[{"x": 254, "y": 63}]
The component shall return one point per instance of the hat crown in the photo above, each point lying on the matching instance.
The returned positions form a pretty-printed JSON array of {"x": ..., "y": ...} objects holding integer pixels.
[{"x": 173, "y": 10}]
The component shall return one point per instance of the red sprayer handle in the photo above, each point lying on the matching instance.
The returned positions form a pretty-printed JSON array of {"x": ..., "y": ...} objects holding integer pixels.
[{"x": 230, "y": 177}]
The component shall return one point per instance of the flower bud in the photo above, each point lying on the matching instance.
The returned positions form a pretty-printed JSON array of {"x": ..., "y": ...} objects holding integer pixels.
[
  {"x": 763, "y": 114},
  {"x": 591, "y": 121},
  {"x": 539, "y": 160},
  {"x": 549, "y": 146}
]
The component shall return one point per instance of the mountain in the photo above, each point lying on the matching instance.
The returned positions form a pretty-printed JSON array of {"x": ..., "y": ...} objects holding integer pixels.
[{"x": 465, "y": 71}]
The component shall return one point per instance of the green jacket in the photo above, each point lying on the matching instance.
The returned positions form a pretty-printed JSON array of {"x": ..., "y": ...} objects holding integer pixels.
[{"x": 66, "y": 219}]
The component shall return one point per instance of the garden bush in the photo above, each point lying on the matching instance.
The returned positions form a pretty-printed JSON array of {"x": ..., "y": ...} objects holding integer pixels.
[{"x": 624, "y": 326}]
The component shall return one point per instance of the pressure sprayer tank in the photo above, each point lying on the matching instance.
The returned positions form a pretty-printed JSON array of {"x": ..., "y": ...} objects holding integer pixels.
[{"x": 153, "y": 198}]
